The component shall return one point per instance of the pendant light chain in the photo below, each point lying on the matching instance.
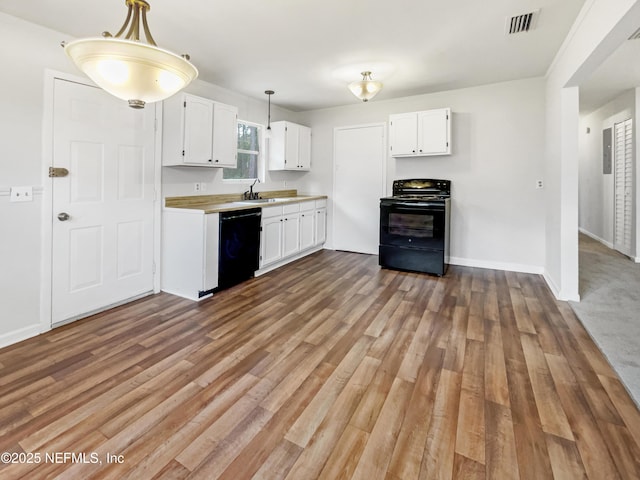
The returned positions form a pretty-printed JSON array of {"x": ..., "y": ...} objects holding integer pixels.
[
  {"x": 269, "y": 93},
  {"x": 139, "y": 10}
]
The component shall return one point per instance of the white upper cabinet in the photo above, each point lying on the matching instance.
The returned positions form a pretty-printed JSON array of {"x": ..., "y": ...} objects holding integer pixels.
[
  {"x": 289, "y": 146},
  {"x": 418, "y": 134},
  {"x": 225, "y": 135},
  {"x": 199, "y": 132}
]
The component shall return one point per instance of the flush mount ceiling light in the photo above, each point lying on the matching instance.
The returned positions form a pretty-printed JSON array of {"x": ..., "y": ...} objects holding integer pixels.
[
  {"x": 128, "y": 68},
  {"x": 366, "y": 88}
]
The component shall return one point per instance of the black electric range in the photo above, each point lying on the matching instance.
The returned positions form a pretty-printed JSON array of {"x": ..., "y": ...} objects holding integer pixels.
[{"x": 414, "y": 226}]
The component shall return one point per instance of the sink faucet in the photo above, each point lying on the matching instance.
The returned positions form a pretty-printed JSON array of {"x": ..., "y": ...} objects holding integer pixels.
[{"x": 249, "y": 194}]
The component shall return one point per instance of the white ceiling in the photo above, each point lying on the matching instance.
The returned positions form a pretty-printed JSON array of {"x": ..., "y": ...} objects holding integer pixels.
[
  {"x": 620, "y": 72},
  {"x": 307, "y": 51}
]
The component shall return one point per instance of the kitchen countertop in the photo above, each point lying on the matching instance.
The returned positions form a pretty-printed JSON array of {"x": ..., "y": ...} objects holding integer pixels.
[{"x": 226, "y": 203}]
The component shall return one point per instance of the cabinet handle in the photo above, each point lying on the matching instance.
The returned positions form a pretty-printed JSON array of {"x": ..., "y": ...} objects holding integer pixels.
[
  {"x": 217, "y": 160},
  {"x": 209, "y": 160},
  {"x": 420, "y": 151},
  {"x": 413, "y": 151}
]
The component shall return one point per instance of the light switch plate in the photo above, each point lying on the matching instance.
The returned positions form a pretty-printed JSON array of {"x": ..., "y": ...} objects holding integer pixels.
[{"x": 21, "y": 194}]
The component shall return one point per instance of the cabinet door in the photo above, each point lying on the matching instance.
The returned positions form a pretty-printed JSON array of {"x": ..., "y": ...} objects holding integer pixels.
[
  {"x": 304, "y": 148},
  {"x": 403, "y": 134},
  {"x": 291, "y": 233},
  {"x": 225, "y": 135},
  {"x": 291, "y": 146},
  {"x": 433, "y": 132},
  {"x": 198, "y": 130},
  {"x": 271, "y": 240},
  {"x": 307, "y": 227},
  {"x": 321, "y": 226}
]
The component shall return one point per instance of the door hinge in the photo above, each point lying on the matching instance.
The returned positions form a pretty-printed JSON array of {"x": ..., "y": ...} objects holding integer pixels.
[
  {"x": 183, "y": 153},
  {"x": 185, "y": 104},
  {"x": 153, "y": 268},
  {"x": 58, "y": 172}
]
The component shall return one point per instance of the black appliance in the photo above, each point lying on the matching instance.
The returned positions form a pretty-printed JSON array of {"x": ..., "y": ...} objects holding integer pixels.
[
  {"x": 239, "y": 253},
  {"x": 414, "y": 226}
]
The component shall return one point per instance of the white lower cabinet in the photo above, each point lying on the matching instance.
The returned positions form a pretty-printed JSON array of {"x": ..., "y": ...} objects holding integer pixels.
[
  {"x": 320, "y": 219},
  {"x": 271, "y": 235},
  {"x": 307, "y": 225},
  {"x": 291, "y": 231},
  {"x": 291, "y": 234},
  {"x": 189, "y": 252}
]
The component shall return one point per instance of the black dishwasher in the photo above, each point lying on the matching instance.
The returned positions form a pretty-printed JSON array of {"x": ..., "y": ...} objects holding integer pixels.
[{"x": 239, "y": 253}]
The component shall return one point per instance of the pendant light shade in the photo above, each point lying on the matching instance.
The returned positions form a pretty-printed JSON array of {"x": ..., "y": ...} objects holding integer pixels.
[
  {"x": 366, "y": 88},
  {"x": 129, "y": 69}
]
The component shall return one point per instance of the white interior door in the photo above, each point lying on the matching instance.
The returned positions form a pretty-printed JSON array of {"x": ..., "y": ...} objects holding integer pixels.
[
  {"x": 623, "y": 189},
  {"x": 103, "y": 253},
  {"x": 359, "y": 154}
]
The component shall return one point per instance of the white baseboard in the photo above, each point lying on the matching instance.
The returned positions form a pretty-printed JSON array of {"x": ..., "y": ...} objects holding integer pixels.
[
  {"x": 596, "y": 238},
  {"x": 509, "y": 267},
  {"x": 557, "y": 292},
  {"x": 19, "y": 335}
]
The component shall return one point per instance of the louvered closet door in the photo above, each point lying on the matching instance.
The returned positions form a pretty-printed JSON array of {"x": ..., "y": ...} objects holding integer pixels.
[{"x": 623, "y": 157}]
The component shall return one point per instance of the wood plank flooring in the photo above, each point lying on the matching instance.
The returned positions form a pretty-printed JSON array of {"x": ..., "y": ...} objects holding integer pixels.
[{"x": 327, "y": 368}]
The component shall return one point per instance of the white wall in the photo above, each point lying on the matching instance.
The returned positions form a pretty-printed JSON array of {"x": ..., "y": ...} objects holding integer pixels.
[
  {"x": 600, "y": 28},
  {"x": 21, "y": 108},
  {"x": 497, "y": 142},
  {"x": 596, "y": 188}
]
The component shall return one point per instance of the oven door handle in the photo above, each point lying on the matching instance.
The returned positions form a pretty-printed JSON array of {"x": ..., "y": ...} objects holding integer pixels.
[{"x": 413, "y": 207}]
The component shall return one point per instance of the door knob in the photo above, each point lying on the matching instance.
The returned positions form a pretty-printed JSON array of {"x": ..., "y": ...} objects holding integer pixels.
[{"x": 63, "y": 217}]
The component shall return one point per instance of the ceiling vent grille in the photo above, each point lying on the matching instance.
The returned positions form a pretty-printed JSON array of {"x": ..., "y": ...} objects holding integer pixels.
[
  {"x": 521, "y": 23},
  {"x": 636, "y": 35}
]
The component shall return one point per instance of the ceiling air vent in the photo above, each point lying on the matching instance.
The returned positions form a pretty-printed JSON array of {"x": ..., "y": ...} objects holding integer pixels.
[{"x": 521, "y": 23}]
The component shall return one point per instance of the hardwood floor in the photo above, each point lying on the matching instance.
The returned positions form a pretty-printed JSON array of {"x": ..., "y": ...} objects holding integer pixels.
[{"x": 327, "y": 368}]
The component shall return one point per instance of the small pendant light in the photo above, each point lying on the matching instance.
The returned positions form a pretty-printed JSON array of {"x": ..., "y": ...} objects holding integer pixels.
[{"x": 269, "y": 93}]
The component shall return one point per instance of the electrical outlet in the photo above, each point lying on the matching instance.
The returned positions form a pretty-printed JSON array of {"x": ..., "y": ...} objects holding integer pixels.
[
  {"x": 197, "y": 187},
  {"x": 21, "y": 194},
  {"x": 539, "y": 184}
]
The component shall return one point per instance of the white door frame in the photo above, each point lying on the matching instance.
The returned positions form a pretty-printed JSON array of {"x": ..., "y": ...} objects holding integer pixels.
[
  {"x": 50, "y": 77},
  {"x": 333, "y": 166}
]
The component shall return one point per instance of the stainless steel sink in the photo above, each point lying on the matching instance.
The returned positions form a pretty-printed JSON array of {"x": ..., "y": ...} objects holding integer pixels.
[{"x": 259, "y": 200}]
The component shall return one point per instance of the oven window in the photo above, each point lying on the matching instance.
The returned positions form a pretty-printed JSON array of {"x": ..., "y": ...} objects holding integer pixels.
[{"x": 411, "y": 225}]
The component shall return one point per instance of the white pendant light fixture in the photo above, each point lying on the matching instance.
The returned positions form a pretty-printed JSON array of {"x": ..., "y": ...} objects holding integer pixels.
[
  {"x": 366, "y": 88},
  {"x": 128, "y": 68},
  {"x": 269, "y": 93}
]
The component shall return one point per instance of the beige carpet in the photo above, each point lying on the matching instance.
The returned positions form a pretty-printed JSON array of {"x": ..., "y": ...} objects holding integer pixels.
[{"x": 609, "y": 308}]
